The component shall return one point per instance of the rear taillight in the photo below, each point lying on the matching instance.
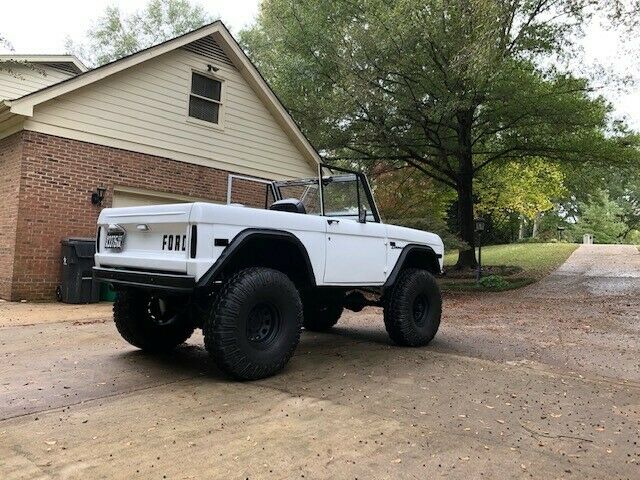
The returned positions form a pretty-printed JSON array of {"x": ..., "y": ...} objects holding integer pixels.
[
  {"x": 98, "y": 240},
  {"x": 194, "y": 241}
]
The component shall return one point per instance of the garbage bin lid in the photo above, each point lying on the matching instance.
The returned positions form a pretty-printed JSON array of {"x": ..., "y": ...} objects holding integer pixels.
[
  {"x": 74, "y": 240},
  {"x": 83, "y": 247}
]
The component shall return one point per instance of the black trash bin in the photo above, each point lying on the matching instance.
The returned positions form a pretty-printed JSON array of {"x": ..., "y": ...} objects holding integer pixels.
[{"x": 78, "y": 285}]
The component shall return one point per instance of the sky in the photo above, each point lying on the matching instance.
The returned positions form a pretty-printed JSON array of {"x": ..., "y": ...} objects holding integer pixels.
[{"x": 41, "y": 26}]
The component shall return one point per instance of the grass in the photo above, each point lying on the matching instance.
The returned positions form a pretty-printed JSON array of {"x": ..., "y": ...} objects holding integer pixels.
[{"x": 534, "y": 261}]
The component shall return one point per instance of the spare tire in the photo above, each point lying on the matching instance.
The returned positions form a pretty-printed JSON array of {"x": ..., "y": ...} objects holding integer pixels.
[{"x": 154, "y": 323}]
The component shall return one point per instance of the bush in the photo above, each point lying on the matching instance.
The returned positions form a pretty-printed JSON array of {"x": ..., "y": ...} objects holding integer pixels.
[{"x": 494, "y": 282}]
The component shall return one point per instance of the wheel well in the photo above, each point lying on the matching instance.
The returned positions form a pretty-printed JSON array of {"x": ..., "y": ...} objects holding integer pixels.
[
  {"x": 422, "y": 258},
  {"x": 280, "y": 253},
  {"x": 415, "y": 256}
]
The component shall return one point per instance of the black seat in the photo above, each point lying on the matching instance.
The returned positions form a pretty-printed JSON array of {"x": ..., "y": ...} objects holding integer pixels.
[{"x": 292, "y": 205}]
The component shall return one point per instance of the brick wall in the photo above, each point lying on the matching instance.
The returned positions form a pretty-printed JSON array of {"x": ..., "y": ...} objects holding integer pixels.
[
  {"x": 10, "y": 161},
  {"x": 58, "y": 177}
]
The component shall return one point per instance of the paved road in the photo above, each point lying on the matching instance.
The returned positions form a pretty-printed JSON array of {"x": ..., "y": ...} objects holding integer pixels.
[
  {"x": 493, "y": 396},
  {"x": 594, "y": 271}
]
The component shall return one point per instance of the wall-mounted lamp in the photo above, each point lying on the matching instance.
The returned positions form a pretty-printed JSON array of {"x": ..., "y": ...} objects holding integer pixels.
[
  {"x": 212, "y": 68},
  {"x": 98, "y": 196}
]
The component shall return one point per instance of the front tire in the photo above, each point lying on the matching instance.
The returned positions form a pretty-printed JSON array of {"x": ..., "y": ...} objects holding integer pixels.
[
  {"x": 150, "y": 322},
  {"x": 413, "y": 310},
  {"x": 254, "y": 326}
]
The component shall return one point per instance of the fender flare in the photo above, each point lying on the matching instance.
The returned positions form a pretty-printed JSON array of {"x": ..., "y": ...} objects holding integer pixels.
[
  {"x": 406, "y": 250},
  {"x": 251, "y": 234}
]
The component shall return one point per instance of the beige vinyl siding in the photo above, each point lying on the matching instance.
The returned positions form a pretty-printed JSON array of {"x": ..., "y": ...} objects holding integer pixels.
[
  {"x": 144, "y": 109},
  {"x": 130, "y": 197},
  {"x": 25, "y": 79}
]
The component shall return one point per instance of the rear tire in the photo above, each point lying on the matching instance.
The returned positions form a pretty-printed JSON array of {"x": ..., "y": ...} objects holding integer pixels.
[
  {"x": 413, "y": 310},
  {"x": 150, "y": 322},
  {"x": 322, "y": 312},
  {"x": 254, "y": 326}
]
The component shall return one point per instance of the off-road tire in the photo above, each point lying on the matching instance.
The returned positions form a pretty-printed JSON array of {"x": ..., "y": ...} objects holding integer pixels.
[
  {"x": 321, "y": 312},
  {"x": 254, "y": 325},
  {"x": 413, "y": 309},
  {"x": 132, "y": 313}
]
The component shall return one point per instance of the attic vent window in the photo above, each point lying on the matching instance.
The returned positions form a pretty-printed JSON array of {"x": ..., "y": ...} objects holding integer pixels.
[{"x": 205, "y": 98}]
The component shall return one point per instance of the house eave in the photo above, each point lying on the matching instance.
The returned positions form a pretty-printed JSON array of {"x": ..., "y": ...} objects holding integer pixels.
[{"x": 45, "y": 58}]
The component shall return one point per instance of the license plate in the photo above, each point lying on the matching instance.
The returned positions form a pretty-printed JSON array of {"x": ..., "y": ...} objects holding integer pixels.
[
  {"x": 115, "y": 237},
  {"x": 114, "y": 241}
]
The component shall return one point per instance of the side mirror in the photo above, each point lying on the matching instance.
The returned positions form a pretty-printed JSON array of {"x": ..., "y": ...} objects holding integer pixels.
[{"x": 362, "y": 215}]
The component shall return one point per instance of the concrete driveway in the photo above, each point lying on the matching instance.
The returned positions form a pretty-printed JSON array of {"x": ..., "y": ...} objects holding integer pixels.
[{"x": 543, "y": 382}]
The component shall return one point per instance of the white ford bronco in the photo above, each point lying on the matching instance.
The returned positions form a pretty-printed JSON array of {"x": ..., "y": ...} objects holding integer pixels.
[{"x": 250, "y": 278}]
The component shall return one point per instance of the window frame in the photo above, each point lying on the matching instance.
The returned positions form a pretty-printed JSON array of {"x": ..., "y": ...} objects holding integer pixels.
[
  {"x": 221, "y": 103},
  {"x": 362, "y": 183}
]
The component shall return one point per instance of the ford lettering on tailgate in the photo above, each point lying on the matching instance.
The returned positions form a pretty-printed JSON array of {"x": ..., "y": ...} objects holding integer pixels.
[{"x": 175, "y": 243}]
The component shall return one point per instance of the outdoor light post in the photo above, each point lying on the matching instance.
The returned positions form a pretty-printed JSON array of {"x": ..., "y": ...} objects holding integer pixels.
[{"x": 479, "y": 230}]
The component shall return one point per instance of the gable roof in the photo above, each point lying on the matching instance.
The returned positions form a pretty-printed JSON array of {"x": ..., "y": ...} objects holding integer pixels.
[
  {"x": 70, "y": 62},
  {"x": 25, "y": 104}
]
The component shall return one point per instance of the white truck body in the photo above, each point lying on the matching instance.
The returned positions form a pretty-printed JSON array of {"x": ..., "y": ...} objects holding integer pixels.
[
  {"x": 342, "y": 251},
  {"x": 252, "y": 278}
]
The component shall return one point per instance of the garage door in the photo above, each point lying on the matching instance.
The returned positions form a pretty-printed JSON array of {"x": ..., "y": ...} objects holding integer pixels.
[{"x": 132, "y": 198}]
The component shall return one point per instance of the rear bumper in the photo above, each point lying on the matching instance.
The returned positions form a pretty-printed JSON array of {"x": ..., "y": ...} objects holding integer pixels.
[{"x": 145, "y": 280}]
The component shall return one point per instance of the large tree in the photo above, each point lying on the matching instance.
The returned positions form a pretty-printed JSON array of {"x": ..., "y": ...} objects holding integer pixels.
[
  {"x": 444, "y": 86},
  {"x": 116, "y": 34}
]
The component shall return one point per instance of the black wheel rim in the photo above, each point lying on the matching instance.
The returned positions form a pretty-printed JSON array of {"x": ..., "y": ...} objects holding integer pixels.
[
  {"x": 263, "y": 324},
  {"x": 161, "y": 311},
  {"x": 420, "y": 310}
]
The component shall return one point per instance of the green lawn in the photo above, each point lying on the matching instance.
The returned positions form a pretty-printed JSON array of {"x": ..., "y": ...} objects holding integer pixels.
[{"x": 535, "y": 259}]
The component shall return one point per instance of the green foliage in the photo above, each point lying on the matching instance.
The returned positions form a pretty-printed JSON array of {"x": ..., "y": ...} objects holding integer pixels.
[
  {"x": 623, "y": 187},
  {"x": 526, "y": 188},
  {"x": 633, "y": 237},
  {"x": 494, "y": 282},
  {"x": 375, "y": 80},
  {"x": 553, "y": 226},
  {"x": 603, "y": 218},
  {"x": 446, "y": 87},
  {"x": 116, "y": 35},
  {"x": 406, "y": 197},
  {"x": 515, "y": 196}
]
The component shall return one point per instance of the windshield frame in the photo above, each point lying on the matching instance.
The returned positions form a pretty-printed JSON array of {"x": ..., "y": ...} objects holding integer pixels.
[{"x": 362, "y": 188}]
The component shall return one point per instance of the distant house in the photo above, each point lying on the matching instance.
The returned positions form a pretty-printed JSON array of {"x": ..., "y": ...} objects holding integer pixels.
[{"x": 167, "y": 124}]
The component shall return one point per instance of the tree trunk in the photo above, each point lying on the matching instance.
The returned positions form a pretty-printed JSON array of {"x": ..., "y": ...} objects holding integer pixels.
[
  {"x": 521, "y": 229},
  {"x": 536, "y": 226},
  {"x": 466, "y": 224}
]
